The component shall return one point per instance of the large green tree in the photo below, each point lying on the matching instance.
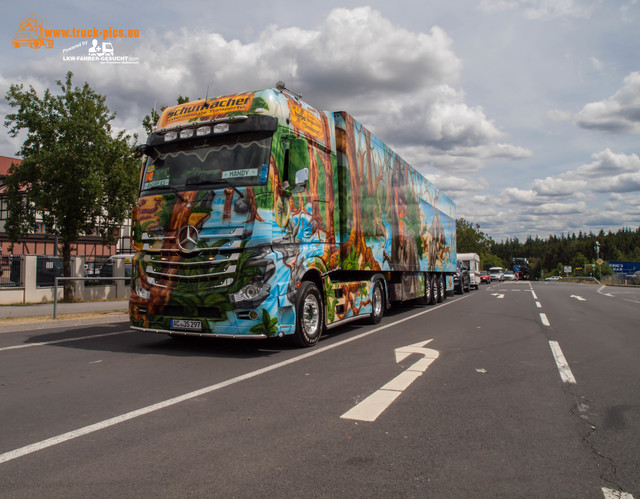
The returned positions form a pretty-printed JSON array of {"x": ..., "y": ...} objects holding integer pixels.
[{"x": 76, "y": 173}]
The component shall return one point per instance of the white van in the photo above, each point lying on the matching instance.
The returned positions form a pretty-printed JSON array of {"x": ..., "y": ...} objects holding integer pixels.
[
  {"x": 472, "y": 262},
  {"x": 496, "y": 274}
]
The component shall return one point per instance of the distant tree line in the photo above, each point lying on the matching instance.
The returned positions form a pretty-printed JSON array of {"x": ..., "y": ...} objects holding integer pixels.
[{"x": 549, "y": 256}]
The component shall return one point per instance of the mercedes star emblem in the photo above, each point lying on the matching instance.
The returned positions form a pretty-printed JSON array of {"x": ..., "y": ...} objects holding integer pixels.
[{"x": 188, "y": 238}]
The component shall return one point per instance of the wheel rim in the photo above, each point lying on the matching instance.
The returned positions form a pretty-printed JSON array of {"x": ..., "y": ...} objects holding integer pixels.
[
  {"x": 377, "y": 300},
  {"x": 311, "y": 316}
]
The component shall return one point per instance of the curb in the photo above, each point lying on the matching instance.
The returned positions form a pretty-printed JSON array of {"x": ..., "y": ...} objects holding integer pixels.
[{"x": 35, "y": 323}]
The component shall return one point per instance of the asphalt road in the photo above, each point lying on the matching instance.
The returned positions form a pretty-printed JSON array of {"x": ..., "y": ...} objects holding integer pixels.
[{"x": 485, "y": 409}]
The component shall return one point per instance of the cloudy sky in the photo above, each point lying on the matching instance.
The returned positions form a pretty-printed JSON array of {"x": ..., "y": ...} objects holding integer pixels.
[{"x": 525, "y": 112}]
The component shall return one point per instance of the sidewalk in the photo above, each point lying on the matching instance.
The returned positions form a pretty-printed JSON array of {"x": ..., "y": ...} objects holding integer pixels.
[
  {"x": 46, "y": 309},
  {"x": 20, "y": 317}
]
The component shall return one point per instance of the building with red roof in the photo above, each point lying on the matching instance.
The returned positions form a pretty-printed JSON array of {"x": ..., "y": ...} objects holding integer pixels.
[{"x": 43, "y": 243}]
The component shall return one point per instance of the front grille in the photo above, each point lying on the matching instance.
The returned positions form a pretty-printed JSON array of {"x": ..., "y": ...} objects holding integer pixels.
[{"x": 212, "y": 266}]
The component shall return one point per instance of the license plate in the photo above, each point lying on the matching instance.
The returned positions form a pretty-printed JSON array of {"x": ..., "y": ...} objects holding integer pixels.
[{"x": 186, "y": 324}]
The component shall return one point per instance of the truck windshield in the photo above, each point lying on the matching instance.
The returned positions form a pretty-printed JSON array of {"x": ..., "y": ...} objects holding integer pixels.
[{"x": 235, "y": 160}]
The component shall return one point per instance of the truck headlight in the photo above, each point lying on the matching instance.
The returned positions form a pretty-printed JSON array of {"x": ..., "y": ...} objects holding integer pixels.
[
  {"x": 250, "y": 296},
  {"x": 141, "y": 291}
]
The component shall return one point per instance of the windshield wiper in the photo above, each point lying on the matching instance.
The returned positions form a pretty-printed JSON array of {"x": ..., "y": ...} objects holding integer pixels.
[
  {"x": 198, "y": 181},
  {"x": 169, "y": 187}
]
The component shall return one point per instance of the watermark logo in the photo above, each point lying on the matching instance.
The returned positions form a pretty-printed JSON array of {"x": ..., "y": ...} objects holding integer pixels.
[
  {"x": 101, "y": 52},
  {"x": 99, "y": 43},
  {"x": 32, "y": 34}
]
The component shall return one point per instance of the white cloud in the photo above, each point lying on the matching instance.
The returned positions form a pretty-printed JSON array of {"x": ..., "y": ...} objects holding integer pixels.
[
  {"x": 401, "y": 84},
  {"x": 619, "y": 113},
  {"x": 560, "y": 208},
  {"x": 540, "y": 9},
  {"x": 518, "y": 196},
  {"x": 607, "y": 164},
  {"x": 551, "y": 186}
]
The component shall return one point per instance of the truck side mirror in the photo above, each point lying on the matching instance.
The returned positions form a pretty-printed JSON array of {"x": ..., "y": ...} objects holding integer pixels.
[
  {"x": 141, "y": 150},
  {"x": 302, "y": 178},
  {"x": 298, "y": 161}
]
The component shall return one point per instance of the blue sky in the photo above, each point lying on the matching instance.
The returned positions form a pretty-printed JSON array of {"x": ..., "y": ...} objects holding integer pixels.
[{"x": 525, "y": 112}]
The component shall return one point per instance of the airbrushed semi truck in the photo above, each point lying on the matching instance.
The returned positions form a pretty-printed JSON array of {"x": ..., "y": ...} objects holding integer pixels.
[{"x": 260, "y": 216}]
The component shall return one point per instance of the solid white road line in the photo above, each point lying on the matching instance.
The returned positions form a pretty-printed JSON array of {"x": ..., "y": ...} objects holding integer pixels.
[
  {"x": 543, "y": 318},
  {"x": 563, "y": 367},
  {"x": 29, "y": 449},
  {"x": 55, "y": 342}
]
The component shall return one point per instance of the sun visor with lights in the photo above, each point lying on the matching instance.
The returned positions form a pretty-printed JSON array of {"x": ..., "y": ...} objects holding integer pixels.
[{"x": 222, "y": 126}]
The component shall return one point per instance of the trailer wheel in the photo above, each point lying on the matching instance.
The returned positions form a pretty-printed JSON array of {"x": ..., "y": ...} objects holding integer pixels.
[
  {"x": 433, "y": 290},
  {"x": 377, "y": 303},
  {"x": 426, "y": 299},
  {"x": 441, "y": 289},
  {"x": 309, "y": 315}
]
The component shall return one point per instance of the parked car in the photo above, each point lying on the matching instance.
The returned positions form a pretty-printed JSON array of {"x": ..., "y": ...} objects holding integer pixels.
[
  {"x": 553, "y": 278},
  {"x": 496, "y": 274},
  {"x": 635, "y": 278},
  {"x": 461, "y": 282},
  {"x": 509, "y": 275},
  {"x": 107, "y": 267},
  {"x": 485, "y": 277}
]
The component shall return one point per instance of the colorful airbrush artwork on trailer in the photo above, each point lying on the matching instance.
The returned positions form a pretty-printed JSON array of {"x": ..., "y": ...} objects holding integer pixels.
[{"x": 225, "y": 241}]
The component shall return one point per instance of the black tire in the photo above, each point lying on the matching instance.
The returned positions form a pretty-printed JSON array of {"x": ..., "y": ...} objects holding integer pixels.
[
  {"x": 424, "y": 300},
  {"x": 377, "y": 303},
  {"x": 433, "y": 285},
  {"x": 309, "y": 315},
  {"x": 440, "y": 293}
]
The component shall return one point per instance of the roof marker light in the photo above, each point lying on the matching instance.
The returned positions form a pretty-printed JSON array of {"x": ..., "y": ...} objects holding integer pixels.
[{"x": 170, "y": 136}]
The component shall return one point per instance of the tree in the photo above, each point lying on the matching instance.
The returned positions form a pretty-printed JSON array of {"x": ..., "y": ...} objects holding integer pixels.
[
  {"x": 150, "y": 120},
  {"x": 469, "y": 238},
  {"x": 75, "y": 174}
]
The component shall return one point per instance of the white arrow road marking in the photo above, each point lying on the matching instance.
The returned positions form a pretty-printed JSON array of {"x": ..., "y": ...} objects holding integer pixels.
[
  {"x": 563, "y": 367},
  {"x": 499, "y": 296},
  {"x": 615, "y": 494},
  {"x": 376, "y": 403},
  {"x": 602, "y": 293},
  {"x": 579, "y": 298}
]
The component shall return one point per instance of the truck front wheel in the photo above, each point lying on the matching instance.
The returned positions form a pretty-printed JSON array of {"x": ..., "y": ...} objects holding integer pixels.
[
  {"x": 377, "y": 303},
  {"x": 309, "y": 315}
]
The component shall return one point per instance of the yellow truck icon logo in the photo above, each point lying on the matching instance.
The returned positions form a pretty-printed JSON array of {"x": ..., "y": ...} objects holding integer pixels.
[{"x": 31, "y": 33}]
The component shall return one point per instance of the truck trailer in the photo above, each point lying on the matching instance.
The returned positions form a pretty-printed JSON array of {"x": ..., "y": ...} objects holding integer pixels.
[{"x": 260, "y": 216}]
